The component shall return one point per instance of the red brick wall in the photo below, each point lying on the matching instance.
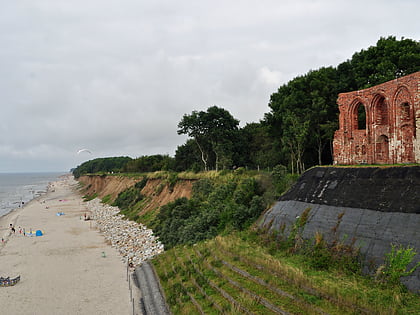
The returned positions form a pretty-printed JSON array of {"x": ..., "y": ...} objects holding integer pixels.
[{"x": 392, "y": 130}]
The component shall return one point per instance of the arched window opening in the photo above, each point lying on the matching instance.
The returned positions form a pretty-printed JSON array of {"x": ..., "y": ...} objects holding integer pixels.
[
  {"x": 381, "y": 112},
  {"x": 361, "y": 117},
  {"x": 405, "y": 111}
]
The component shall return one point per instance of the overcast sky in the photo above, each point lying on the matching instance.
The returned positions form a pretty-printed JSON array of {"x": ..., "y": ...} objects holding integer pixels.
[{"x": 116, "y": 76}]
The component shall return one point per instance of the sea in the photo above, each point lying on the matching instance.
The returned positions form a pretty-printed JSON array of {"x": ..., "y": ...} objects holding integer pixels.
[{"x": 17, "y": 189}]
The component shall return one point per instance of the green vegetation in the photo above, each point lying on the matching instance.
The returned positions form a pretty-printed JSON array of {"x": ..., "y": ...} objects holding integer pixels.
[
  {"x": 150, "y": 163},
  {"x": 217, "y": 261},
  {"x": 255, "y": 271},
  {"x": 106, "y": 199},
  {"x": 214, "y": 133},
  {"x": 307, "y": 104},
  {"x": 213, "y": 208},
  {"x": 101, "y": 165},
  {"x": 221, "y": 202},
  {"x": 90, "y": 197},
  {"x": 298, "y": 130},
  {"x": 396, "y": 264},
  {"x": 127, "y": 201},
  {"x": 237, "y": 274},
  {"x": 226, "y": 267}
]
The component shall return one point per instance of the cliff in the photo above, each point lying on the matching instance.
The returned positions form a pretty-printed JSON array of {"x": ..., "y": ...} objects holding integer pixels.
[
  {"x": 370, "y": 206},
  {"x": 157, "y": 191}
]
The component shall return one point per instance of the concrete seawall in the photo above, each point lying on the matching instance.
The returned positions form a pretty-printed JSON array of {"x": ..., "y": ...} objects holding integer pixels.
[{"x": 371, "y": 206}]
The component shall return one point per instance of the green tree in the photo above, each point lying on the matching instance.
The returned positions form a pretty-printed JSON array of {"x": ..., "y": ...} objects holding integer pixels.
[
  {"x": 259, "y": 146},
  {"x": 213, "y": 132},
  {"x": 388, "y": 60},
  {"x": 193, "y": 126},
  {"x": 310, "y": 100},
  {"x": 110, "y": 164},
  {"x": 294, "y": 138},
  {"x": 188, "y": 157},
  {"x": 150, "y": 163}
]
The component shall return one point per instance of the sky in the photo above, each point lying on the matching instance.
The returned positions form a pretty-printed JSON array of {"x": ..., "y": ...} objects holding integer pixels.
[{"x": 116, "y": 76}]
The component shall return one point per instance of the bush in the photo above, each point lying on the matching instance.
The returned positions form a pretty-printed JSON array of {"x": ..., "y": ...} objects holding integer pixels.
[
  {"x": 128, "y": 198},
  {"x": 213, "y": 208},
  {"x": 140, "y": 185},
  {"x": 396, "y": 263}
]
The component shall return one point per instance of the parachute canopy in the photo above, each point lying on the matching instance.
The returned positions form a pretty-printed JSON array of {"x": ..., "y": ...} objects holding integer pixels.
[{"x": 83, "y": 150}]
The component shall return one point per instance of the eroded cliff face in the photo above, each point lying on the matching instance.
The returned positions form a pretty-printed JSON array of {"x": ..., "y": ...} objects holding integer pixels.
[
  {"x": 157, "y": 192},
  {"x": 106, "y": 185},
  {"x": 372, "y": 207}
]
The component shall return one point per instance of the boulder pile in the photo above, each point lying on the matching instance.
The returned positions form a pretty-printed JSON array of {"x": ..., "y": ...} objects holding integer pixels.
[{"x": 135, "y": 242}]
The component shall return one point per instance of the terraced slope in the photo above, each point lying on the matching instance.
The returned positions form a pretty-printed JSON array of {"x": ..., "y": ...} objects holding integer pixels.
[{"x": 227, "y": 275}]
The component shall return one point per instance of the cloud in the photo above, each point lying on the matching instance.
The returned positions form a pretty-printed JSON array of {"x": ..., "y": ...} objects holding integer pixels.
[{"x": 117, "y": 76}]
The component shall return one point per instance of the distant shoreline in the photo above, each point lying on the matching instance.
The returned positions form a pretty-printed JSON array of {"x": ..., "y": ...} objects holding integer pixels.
[
  {"x": 36, "y": 195},
  {"x": 70, "y": 269}
]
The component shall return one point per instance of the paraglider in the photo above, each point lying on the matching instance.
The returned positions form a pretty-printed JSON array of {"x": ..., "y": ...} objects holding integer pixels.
[{"x": 84, "y": 150}]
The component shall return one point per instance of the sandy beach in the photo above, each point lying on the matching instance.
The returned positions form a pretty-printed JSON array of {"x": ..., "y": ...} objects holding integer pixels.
[{"x": 70, "y": 269}]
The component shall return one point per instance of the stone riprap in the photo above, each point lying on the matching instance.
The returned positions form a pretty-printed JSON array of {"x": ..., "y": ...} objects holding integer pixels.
[{"x": 135, "y": 242}]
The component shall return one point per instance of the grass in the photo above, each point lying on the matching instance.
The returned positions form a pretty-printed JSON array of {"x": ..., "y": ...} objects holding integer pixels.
[{"x": 235, "y": 273}]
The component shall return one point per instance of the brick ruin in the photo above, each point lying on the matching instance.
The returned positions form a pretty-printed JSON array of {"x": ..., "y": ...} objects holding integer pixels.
[{"x": 381, "y": 124}]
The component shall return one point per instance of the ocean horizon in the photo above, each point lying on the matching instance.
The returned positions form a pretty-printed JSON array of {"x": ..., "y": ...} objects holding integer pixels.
[{"x": 17, "y": 189}]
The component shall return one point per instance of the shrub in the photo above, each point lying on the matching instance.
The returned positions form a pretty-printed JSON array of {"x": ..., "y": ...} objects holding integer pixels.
[
  {"x": 140, "y": 185},
  {"x": 128, "y": 198},
  {"x": 106, "y": 199},
  {"x": 396, "y": 263},
  {"x": 213, "y": 208},
  {"x": 172, "y": 179}
]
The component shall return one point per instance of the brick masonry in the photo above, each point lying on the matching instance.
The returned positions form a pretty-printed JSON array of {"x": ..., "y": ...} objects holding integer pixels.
[{"x": 381, "y": 124}]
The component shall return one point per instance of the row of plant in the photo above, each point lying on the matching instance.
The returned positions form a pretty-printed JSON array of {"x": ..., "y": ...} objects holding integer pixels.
[{"x": 235, "y": 274}]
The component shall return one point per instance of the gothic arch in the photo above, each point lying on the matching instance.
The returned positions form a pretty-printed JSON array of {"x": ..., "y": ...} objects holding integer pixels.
[
  {"x": 403, "y": 106},
  {"x": 391, "y": 132},
  {"x": 358, "y": 115},
  {"x": 405, "y": 123},
  {"x": 380, "y": 110}
]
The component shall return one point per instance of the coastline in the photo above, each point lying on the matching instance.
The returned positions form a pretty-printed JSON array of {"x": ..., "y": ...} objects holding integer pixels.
[
  {"x": 70, "y": 269},
  {"x": 13, "y": 214}
]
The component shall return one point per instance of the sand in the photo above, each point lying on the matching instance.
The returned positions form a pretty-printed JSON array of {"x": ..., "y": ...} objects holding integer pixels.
[{"x": 68, "y": 270}]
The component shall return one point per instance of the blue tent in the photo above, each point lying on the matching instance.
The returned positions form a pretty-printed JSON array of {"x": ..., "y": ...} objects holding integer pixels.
[{"x": 38, "y": 233}]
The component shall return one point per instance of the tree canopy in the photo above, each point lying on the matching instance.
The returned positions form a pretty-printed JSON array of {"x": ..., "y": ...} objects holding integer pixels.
[
  {"x": 213, "y": 132},
  {"x": 110, "y": 164},
  {"x": 298, "y": 130},
  {"x": 304, "y": 114}
]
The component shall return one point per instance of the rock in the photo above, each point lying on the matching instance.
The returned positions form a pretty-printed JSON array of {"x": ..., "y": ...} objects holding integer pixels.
[{"x": 135, "y": 242}]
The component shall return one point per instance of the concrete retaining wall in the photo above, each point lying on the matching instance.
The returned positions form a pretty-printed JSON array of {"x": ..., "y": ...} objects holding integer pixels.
[{"x": 373, "y": 231}]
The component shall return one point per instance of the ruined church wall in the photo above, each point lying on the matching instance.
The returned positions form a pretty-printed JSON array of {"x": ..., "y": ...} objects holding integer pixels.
[{"x": 392, "y": 131}]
